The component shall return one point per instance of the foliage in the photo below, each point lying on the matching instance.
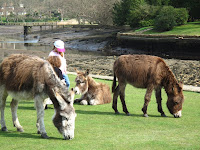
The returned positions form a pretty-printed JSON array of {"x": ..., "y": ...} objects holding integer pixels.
[
  {"x": 158, "y": 2},
  {"x": 166, "y": 19},
  {"x": 181, "y": 16},
  {"x": 3, "y": 19},
  {"x": 146, "y": 23},
  {"x": 193, "y": 6},
  {"x": 137, "y": 13},
  {"x": 97, "y": 127},
  {"x": 143, "y": 15}
]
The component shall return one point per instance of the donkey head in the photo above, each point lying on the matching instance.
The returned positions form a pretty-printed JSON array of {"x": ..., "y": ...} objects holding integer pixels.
[
  {"x": 81, "y": 82},
  {"x": 175, "y": 100},
  {"x": 64, "y": 118}
]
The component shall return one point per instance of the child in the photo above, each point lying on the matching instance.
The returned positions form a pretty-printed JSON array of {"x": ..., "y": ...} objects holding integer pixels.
[{"x": 59, "y": 50}]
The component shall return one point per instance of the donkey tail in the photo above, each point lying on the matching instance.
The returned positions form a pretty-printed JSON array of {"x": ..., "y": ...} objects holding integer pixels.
[{"x": 114, "y": 83}]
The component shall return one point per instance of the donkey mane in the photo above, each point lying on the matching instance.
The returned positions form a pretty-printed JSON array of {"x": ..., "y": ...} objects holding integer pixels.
[
  {"x": 169, "y": 82},
  {"x": 92, "y": 83}
]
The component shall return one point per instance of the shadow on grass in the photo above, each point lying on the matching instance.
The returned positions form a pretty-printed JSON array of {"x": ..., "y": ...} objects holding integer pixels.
[
  {"x": 30, "y": 105},
  {"x": 14, "y": 134},
  {"x": 23, "y": 107},
  {"x": 120, "y": 114}
]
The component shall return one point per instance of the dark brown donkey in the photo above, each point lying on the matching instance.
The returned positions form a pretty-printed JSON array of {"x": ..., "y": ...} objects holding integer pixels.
[{"x": 152, "y": 73}]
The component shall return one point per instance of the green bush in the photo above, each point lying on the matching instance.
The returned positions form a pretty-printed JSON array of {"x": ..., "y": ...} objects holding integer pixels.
[
  {"x": 3, "y": 19},
  {"x": 181, "y": 16},
  {"x": 166, "y": 19},
  {"x": 146, "y": 23},
  {"x": 143, "y": 15}
]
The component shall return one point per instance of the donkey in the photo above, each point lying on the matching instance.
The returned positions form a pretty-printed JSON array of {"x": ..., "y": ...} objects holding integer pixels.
[
  {"x": 152, "y": 73},
  {"x": 92, "y": 92},
  {"x": 26, "y": 77}
]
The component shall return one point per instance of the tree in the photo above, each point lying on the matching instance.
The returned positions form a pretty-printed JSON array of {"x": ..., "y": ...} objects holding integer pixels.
[
  {"x": 121, "y": 11},
  {"x": 158, "y": 2}
]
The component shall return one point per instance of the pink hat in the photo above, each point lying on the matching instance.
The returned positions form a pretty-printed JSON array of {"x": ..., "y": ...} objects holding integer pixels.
[{"x": 60, "y": 45}]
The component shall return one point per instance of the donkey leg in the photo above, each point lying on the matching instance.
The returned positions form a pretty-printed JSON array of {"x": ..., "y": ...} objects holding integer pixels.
[
  {"x": 159, "y": 101},
  {"x": 14, "y": 106},
  {"x": 40, "y": 117},
  {"x": 4, "y": 95},
  {"x": 114, "y": 104},
  {"x": 122, "y": 97},
  {"x": 97, "y": 100},
  {"x": 147, "y": 100}
]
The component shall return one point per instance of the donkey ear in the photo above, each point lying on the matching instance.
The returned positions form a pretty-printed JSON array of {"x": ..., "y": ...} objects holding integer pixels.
[
  {"x": 175, "y": 90},
  {"x": 87, "y": 72},
  {"x": 76, "y": 70},
  {"x": 181, "y": 85},
  {"x": 60, "y": 100}
]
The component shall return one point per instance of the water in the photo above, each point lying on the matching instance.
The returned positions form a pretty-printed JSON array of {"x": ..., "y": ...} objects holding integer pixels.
[{"x": 18, "y": 43}]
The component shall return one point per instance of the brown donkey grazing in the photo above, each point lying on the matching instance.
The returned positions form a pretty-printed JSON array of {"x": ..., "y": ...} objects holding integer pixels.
[
  {"x": 92, "y": 92},
  {"x": 26, "y": 77},
  {"x": 152, "y": 73}
]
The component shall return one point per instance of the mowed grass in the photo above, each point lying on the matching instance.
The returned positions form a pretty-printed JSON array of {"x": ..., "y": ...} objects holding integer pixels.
[
  {"x": 191, "y": 28},
  {"x": 97, "y": 127}
]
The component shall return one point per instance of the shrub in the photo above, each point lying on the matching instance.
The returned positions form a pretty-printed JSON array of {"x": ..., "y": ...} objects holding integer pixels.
[
  {"x": 146, "y": 23},
  {"x": 143, "y": 15},
  {"x": 166, "y": 19},
  {"x": 181, "y": 16}
]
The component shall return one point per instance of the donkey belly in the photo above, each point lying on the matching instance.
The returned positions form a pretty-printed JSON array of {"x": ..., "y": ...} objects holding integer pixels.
[
  {"x": 22, "y": 95},
  {"x": 138, "y": 83},
  {"x": 25, "y": 95}
]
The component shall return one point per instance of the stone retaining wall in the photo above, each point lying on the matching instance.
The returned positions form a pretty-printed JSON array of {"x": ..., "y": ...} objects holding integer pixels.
[{"x": 169, "y": 46}]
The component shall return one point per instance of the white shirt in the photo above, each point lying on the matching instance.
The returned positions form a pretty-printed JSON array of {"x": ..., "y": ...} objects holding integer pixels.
[{"x": 62, "y": 59}]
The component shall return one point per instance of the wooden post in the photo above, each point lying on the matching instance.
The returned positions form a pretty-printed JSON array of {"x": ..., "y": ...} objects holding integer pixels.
[{"x": 25, "y": 31}]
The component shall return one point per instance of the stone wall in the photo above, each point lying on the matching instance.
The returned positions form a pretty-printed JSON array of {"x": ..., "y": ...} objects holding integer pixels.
[{"x": 181, "y": 47}]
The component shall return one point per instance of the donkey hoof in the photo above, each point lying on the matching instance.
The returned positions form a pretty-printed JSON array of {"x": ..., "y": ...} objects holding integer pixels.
[
  {"x": 117, "y": 113},
  {"x": 4, "y": 129},
  {"x": 163, "y": 115},
  {"x": 44, "y": 136},
  {"x": 128, "y": 114},
  {"x": 145, "y": 115},
  {"x": 20, "y": 130},
  {"x": 84, "y": 102},
  {"x": 38, "y": 132}
]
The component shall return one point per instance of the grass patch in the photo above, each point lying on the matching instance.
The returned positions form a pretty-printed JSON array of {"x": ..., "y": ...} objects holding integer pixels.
[
  {"x": 143, "y": 29},
  {"x": 97, "y": 127},
  {"x": 191, "y": 28}
]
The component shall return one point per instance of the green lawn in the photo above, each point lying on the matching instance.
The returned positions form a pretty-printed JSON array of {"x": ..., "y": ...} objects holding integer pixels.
[
  {"x": 97, "y": 127},
  {"x": 191, "y": 28}
]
